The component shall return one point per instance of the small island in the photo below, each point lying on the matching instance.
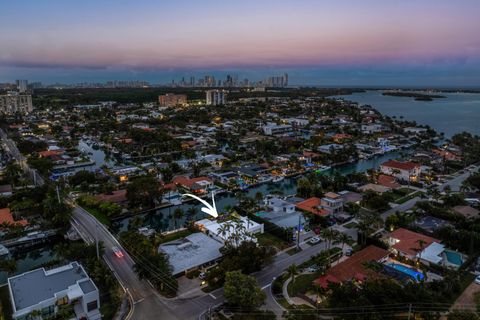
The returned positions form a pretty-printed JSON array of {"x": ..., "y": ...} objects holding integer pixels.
[{"x": 416, "y": 95}]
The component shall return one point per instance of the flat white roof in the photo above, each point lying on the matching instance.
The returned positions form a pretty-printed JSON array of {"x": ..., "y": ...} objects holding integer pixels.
[
  {"x": 433, "y": 252},
  {"x": 33, "y": 287},
  {"x": 192, "y": 251}
]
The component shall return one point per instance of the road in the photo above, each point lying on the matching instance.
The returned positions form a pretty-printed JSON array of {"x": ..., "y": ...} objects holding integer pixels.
[
  {"x": 146, "y": 302},
  {"x": 456, "y": 183},
  {"x": 21, "y": 160},
  {"x": 401, "y": 207}
]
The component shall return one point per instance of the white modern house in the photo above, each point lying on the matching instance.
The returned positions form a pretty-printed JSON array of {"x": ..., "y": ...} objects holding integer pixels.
[
  {"x": 272, "y": 129},
  {"x": 48, "y": 291},
  {"x": 406, "y": 171},
  {"x": 280, "y": 205},
  {"x": 212, "y": 228}
]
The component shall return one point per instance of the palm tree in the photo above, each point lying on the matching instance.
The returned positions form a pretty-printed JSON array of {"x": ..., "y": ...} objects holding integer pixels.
[
  {"x": 224, "y": 230},
  {"x": 191, "y": 212},
  {"x": 329, "y": 235},
  {"x": 343, "y": 238},
  {"x": 177, "y": 215},
  {"x": 292, "y": 271},
  {"x": 258, "y": 197}
]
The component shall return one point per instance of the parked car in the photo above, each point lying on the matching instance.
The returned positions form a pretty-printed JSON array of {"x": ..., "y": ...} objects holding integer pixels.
[
  {"x": 314, "y": 240},
  {"x": 349, "y": 252},
  {"x": 202, "y": 276},
  {"x": 477, "y": 280},
  {"x": 313, "y": 268}
]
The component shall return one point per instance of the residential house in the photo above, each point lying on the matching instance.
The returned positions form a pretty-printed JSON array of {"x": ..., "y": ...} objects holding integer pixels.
[
  {"x": 416, "y": 246},
  {"x": 354, "y": 268},
  {"x": 192, "y": 252},
  {"x": 212, "y": 228},
  {"x": 406, "y": 171},
  {"x": 117, "y": 196},
  {"x": 272, "y": 129},
  {"x": 372, "y": 128},
  {"x": 48, "y": 291},
  {"x": 198, "y": 185},
  {"x": 312, "y": 205},
  {"x": 279, "y": 205},
  {"x": 332, "y": 203},
  {"x": 6, "y": 218}
]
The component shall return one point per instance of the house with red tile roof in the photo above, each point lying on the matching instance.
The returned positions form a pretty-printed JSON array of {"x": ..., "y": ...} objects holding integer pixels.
[
  {"x": 447, "y": 155},
  {"x": 196, "y": 185},
  {"x": 406, "y": 171},
  {"x": 6, "y": 218},
  {"x": 353, "y": 268},
  {"x": 117, "y": 196},
  {"x": 312, "y": 205},
  {"x": 408, "y": 243}
]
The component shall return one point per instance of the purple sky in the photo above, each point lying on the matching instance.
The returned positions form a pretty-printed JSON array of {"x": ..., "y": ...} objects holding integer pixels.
[{"x": 321, "y": 42}]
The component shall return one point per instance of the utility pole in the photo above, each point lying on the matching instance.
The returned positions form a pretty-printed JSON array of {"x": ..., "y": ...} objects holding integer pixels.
[
  {"x": 58, "y": 194},
  {"x": 96, "y": 241},
  {"x": 409, "y": 311},
  {"x": 298, "y": 231}
]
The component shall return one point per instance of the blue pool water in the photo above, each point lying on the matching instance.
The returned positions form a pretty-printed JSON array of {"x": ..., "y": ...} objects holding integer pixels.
[
  {"x": 412, "y": 273},
  {"x": 454, "y": 257}
]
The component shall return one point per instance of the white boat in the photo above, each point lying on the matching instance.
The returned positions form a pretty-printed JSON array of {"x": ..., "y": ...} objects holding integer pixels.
[
  {"x": 278, "y": 178},
  {"x": 265, "y": 178},
  {"x": 324, "y": 168}
]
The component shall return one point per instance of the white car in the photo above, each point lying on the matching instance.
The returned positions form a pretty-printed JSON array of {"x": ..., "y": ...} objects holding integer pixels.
[
  {"x": 314, "y": 240},
  {"x": 477, "y": 280}
]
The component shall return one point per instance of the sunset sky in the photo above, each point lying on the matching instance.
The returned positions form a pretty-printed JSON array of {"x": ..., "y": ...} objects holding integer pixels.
[{"x": 337, "y": 42}]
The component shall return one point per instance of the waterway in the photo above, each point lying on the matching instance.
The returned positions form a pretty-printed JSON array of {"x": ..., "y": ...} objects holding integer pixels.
[
  {"x": 456, "y": 113},
  {"x": 30, "y": 260},
  {"x": 161, "y": 220}
]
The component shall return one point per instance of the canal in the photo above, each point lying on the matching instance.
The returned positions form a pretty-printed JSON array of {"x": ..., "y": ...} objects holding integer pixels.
[{"x": 162, "y": 219}]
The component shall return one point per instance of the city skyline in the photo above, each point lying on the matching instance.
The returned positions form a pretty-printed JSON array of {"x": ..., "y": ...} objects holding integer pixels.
[{"x": 349, "y": 43}]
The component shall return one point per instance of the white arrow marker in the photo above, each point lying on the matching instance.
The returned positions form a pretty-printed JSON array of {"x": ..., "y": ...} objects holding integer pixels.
[{"x": 208, "y": 209}]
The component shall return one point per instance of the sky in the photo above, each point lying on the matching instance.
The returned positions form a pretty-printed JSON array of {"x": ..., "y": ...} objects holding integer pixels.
[{"x": 318, "y": 42}]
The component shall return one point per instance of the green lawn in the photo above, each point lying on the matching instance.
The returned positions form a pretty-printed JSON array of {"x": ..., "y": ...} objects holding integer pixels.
[
  {"x": 301, "y": 284},
  {"x": 268, "y": 239},
  {"x": 100, "y": 216},
  {"x": 175, "y": 236},
  {"x": 408, "y": 197}
]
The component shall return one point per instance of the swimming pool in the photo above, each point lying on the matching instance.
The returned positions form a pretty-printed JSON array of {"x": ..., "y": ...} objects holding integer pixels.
[
  {"x": 412, "y": 273},
  {"x": 454, "y": 257}
]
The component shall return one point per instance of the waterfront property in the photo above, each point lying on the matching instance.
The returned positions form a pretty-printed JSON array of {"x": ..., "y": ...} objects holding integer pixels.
[
  {"x": 51, "y": 291},
  {"x": 428, "y": 250},
  {"x": 6, "y": 218},
  {"x": 214, "y": 229},
  {"x": 406, "y": 171},
  {"x": 194, "y": 251}
]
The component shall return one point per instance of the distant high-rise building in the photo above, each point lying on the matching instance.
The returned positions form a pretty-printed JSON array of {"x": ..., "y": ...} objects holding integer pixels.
[
  {"x": 14, "y": 102},
  {"x": 22, "y": 85},
  {"x": 210, "y": 81},
  {"x": 285, "y": 80},
  {"x": 172, "y": 100},
  {"x": 216, "y": 97},
  {"x": 192, "y": 81}
]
